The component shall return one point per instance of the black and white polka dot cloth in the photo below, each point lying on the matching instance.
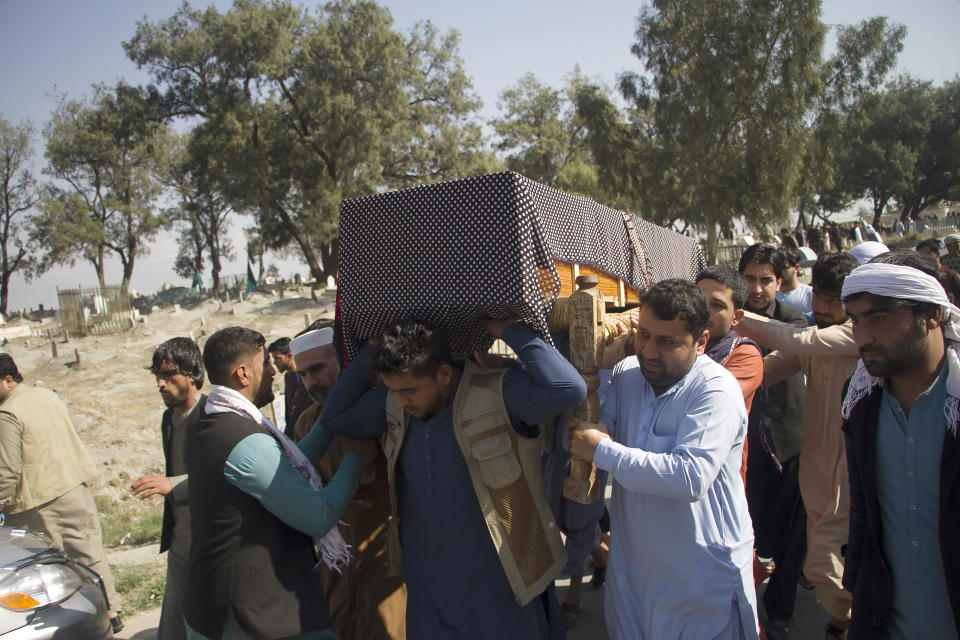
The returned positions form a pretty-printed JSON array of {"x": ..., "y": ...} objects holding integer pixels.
[{"x": 453, "y": 252}]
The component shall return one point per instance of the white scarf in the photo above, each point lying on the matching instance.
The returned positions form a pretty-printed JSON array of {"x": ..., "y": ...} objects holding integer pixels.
[
  {"x": 906, "y": 283},
  {"x": 333, "y": 550}
]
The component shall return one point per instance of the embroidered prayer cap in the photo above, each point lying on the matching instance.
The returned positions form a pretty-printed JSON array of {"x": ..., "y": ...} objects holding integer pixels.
[
  {"x": 950, "y": 239},
  {"x": 866, "y": 251},
  {"x": 905, "y": 283},
  {"x": 308, "y": 349}
]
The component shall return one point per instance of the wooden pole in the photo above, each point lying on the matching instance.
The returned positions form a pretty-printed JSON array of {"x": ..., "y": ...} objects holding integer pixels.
[{"x": 587, "y": 314}]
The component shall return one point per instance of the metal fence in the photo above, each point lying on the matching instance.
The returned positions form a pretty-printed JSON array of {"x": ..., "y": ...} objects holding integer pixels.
[
  {"x": 730, "y": 253},
  {"x": 94, "y": 310}
]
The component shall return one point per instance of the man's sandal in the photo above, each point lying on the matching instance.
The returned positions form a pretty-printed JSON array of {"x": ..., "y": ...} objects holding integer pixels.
[{"x": 599, "y": 577}]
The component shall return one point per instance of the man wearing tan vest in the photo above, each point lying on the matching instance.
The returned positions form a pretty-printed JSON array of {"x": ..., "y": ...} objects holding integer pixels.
[
  {"x": 44, "y": 474},
  {"x": 480, "y": 547}
]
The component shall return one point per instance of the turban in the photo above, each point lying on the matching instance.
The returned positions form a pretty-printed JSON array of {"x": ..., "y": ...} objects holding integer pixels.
[
  {"x": 866, "y": 251},
  {"x": 309, "y": 349},
  {"x": 904, "y": 283}
]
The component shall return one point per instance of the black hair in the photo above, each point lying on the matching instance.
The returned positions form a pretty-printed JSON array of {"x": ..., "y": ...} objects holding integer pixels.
[
  {"x": 730, "y": 278},
  {"x": 830, "y": 270},
  {"x": 9, "y": 368},
  {"x": 910, "y": 259},
  {"x": 413, "y": 347},
  {"x": 315, "y": 325},
  {"x": 676, "y": 298},
  {"x": 787, "y": 240},
  {"x": 280, "y": 345},
  {"x": 762, "y": 254},
  {"x": 791, "y": 255},
  {"x": 183, "y": 354},
  {"x": 930, "y": 243},
  {"x": 226, "y": 347}
]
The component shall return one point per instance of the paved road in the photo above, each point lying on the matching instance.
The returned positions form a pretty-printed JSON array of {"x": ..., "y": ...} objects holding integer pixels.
[
  {"x": 141, "y": 627},
  {"x": 809, "y": 619}
]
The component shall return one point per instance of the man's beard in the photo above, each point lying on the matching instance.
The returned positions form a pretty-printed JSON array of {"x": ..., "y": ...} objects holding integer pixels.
[
  {"x": 826, "y": 321},
  {"x": 319, "y": 393},
  {"x": 264, "y": 396},
  {"x": 172, "y": 401},
  {"x": 904, "y": 359}
]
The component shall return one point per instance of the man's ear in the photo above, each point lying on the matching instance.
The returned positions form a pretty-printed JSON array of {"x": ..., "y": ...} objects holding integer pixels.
[
  {"x": 702, "y": 342},
  {"x": 738, "y": 315},
  {"x": 444, "y": 375},
  {"x": 241, "y": 374},
  {"x": 931, "y": 321}
]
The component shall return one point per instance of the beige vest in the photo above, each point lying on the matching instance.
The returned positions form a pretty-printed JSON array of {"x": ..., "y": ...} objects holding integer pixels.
[
  {"x": 507, "y": 479},
  {"x": 53, "y": 460}
]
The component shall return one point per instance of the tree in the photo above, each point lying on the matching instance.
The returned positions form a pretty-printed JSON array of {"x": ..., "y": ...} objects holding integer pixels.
[
  {"x": 104, "y": 155},
  {"x": 864, "y": 55},
  {"x": 315, "y": 108},
  {"x": 876, "y": 163},
  {"x": 20, "y": 194},
  {"x": 541, "y": 128},
  {"x": 202, "y": 212},
  {"x": 936, "y": 173},
  {"x": 717, "y": 126},
  {"x": 730, "y": 83},
  {"x": 903, "y": 147}
]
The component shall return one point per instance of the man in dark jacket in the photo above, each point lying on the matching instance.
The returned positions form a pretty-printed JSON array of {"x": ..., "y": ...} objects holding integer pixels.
[
  {"x": 773, "y": 493},
  {"x": 178, "y": 368},
  {"x": 901, "y": 413},
  {"x": 258, "y": 516}
]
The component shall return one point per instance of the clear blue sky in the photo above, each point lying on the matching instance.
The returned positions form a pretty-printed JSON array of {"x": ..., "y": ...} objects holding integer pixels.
[{"x": 64, "y": 46}]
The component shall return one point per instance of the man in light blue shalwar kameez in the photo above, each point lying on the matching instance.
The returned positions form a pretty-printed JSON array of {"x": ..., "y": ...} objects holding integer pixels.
[{"x": 671, "y": 434}]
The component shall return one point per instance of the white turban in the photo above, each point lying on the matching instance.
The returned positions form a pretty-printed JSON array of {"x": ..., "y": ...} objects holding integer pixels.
[
  {"x": 308, "y": 349},
  {"x": 866, "y": 251},
  {"x": 904, "y": 283}
]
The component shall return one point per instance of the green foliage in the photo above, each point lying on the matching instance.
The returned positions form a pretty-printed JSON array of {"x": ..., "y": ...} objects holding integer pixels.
[
  {"x": 308, "y": 109},
  {"x": 202, "y": 212},
  {"x": 902, "y": 146},
  {"x": 729, "y": 85},
  {"x": 546, "y": 136},
  {"x": 103, "y": 155},
  {"x": 864, "y": 54},
  {"x": 129, "y": 522},
  {"x": 18, "y": 196},
  {"x": 140, "y": 586},
  {"x": 719, "y": 126}
]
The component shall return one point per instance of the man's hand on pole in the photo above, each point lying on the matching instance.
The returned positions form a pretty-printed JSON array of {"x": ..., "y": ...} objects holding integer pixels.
[{"x": 584, "y": 437}]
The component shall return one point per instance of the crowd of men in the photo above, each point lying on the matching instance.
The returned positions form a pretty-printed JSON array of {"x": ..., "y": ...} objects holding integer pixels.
[{"x": 755, "y": 429}]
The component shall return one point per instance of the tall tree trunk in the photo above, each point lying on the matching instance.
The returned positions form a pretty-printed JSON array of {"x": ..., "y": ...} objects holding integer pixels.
[
  {"x": 713, "y": 242},
  {"x": 303, "y": 242},
  {"x": 98, "y": 265},
  {"x": 128, "y": 271},
  {"x": 215, "y": 268},
  {"x": 330, "y": 255},
  {"x": 4, "y": 291}
]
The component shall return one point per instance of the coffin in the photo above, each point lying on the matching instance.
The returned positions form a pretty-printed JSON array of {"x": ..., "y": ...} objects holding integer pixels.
[{"x": 500, "y": 245}]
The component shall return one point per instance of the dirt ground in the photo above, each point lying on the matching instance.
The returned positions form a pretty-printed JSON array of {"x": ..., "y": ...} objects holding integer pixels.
[{"x": 114, "y": 399}]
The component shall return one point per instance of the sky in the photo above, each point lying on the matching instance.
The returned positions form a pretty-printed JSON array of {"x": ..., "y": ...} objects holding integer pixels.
[{"x": 57, "y": 47}]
